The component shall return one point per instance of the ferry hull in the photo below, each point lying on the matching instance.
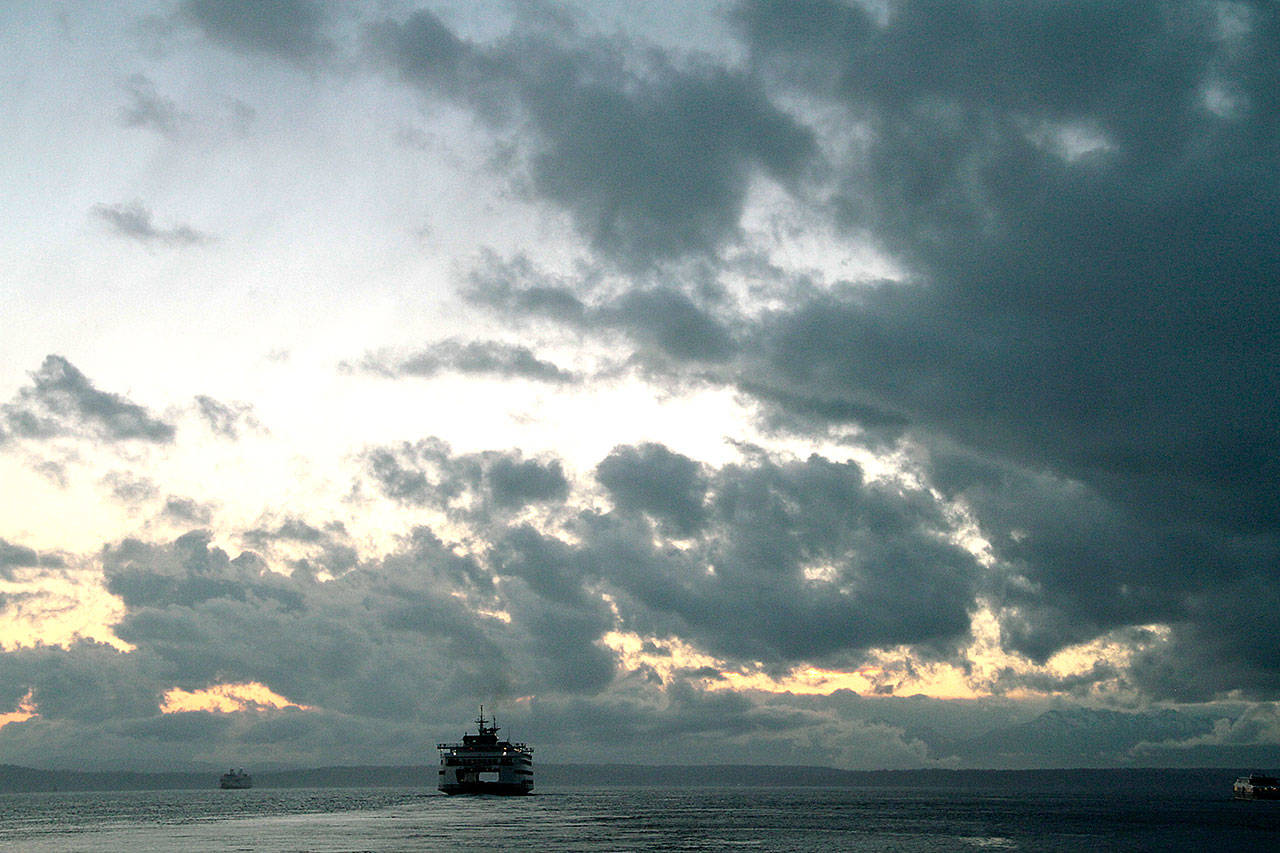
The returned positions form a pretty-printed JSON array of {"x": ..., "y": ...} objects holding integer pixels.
[
  {"x": 503, "y": 789},
  {"x": 1256, "y": 794}
]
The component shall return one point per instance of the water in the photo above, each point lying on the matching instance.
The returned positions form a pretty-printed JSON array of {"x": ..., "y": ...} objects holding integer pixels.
[{"x": 623, "y": 819}]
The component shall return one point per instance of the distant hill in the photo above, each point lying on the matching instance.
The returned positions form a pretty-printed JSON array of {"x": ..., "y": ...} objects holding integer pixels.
[
  {"x": 14, "y": 779},
  {"x": 1088, "y": 737},
  {"x": 1125, "y": 782}
]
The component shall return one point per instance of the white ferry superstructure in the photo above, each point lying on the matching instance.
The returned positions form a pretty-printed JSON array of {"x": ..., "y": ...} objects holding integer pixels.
[
  {"x": 1256, "y": 786},
  {"x": 482, "y": 764}
]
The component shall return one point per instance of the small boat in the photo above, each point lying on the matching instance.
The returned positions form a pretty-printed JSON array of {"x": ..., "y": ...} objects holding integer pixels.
[
  {"x": 1256, "y": 786},
  {"x": 235, "y": 779},
  {"x": 482, "y": 764}
]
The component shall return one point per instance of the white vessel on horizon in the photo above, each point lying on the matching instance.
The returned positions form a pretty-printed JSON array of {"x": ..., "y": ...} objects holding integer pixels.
[
  {"x": 1256, "y": 786},
  {"x": 482, "y": 764}
]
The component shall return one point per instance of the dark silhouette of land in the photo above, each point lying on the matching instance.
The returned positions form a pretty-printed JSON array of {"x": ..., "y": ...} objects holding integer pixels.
[{"x": 1124, "y": 782}]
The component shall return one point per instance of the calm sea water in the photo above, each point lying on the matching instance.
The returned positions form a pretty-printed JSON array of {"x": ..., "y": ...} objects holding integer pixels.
[{"x": 619, "y": 819}]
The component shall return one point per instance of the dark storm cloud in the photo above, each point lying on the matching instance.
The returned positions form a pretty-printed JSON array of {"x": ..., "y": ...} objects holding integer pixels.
[
  {"x": 515, "y": 482},
  {"x": 189, "y": 573},
  {"x": 673, "y": 324},
  {"x": 380, "y": 640},
  {"x": 227, "y": 420},
  {"x": 210, "y": 618},
  {"x": 426, "y": 473},
  {"x": 788, "y": 561},
  {"x": 650, "y": 478},
  {"x": 778, "y": 561},
  {"x": 292, "y": 29},
  {"x": 517, "y": 288},
  {"x": 663, "y": 172},
  {"x": 1083, "y": 349},
  {"x": 134, "y": 221},
  {"x": 85, "y": 683},
  {"x": 470, "y": 358},
  {"x": 327, "y": 548},
  {"x": 564, "y": 640},
  {"x": 61, "y": 401},
  {"x": 650, "y": 164},
  {"x": 658, "y": 320},
  {"x": 1086, "y": 200},
  {"x": 185, "y": 726}
]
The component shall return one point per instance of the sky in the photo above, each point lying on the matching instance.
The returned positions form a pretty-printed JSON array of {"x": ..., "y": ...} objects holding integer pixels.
[{"x": 860, "y": 383}]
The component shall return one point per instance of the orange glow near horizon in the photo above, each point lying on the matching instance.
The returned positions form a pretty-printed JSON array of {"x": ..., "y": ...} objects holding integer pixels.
[
  {"x": 227, "y": 699},
  {"x": 669, "y": 657},
  {"x": 26, "y": 710},
  {"x": 897, "y": 671}
]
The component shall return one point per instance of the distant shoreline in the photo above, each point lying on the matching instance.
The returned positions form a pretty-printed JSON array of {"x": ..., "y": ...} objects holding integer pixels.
[{"x": 1128, "y": 781}]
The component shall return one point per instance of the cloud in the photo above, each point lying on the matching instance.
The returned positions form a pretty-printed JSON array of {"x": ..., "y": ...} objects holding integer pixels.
[
  {"x": 515, "y": 482},
  {"x": 86, "y": 684},
  {"x": 147, "y": 109},
  {"x": 651, "y": 163},
  {"x": 291, "y": 29},
  {"x": 660, "y": 320},
  {"x": 189, "y": 573},
  {"x": 470, "y": 358},
  {"x": 61, "y": 401},
  {"x": 518, "y": 289},
  {"x": 14, "y": 557},
  {"x": 426, "y": 473},
  {"x": 650, "y": 478},
  {"x": 376, "y": 641},
  {"x": 1107, "y": 317},
  {"x": 780, "y": 562},
  {"x": 1081, "y": 350},
  {"x": 1064, "y": 365},
  {"x": 227, "y": 419},
  {"x": 134, "y": 221},
  {"x": 673, "y": 324},
  {"x": 129, "y": 488},
  {"x": 186, "y": 511},
  {"x": 1081, "y": 737},
  {"x": 308, "y": 549},
  {"x": 1257, "y": 725},
  {"x": 790, "y": 561}
]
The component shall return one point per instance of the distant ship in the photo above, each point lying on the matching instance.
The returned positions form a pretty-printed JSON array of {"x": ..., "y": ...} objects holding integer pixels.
[
  {"x": 482, "y": 764},
  {"x": 1255, "y": 786},
  {"x": 235, "y": 779}
]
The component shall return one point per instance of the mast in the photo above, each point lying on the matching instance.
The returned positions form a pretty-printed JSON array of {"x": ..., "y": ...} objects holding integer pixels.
[{"x": 480, "y": 724}]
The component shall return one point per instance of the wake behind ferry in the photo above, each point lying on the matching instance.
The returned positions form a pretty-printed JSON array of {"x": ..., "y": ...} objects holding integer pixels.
[{"x": 482, "y": 764}]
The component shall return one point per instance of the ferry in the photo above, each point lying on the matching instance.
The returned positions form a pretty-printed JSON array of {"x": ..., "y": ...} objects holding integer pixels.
[
  {"x": 235, "y": 779},
  {"x": 1256, "y": 786},
  {"x": 482, "y": 764}
]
